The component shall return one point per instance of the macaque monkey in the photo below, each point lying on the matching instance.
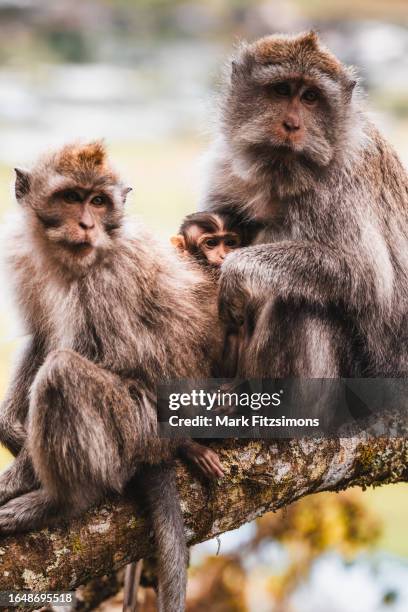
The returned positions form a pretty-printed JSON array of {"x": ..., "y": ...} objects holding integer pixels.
[
  {"x": 209, "y": 237},
  {"x": 326, "y": 281},
  {"x": 111, "y": 314}
]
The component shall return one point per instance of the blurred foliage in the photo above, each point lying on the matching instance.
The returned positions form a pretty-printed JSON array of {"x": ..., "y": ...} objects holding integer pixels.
[
  {"x": 393, "y": 101},
  {"x": 313, "y": 526},
  {"x": 306, "y": 529},
  {"x": 68, "y": 45},
  {"x": 355, "y": 9},
  {"x": 323, "y": 521},
  {"x": 219, "y": 582},
  {"x": 73, "y": 30}
]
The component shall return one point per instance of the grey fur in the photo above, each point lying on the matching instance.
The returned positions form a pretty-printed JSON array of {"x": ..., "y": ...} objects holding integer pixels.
[{"x": 324, "y": 289}]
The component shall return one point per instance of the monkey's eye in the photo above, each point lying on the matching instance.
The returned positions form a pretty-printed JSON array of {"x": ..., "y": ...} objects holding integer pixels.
[
  {"x": 98, "y": 200},
  {"x": 211, "y": 243},
  {"x": 71, "y": 196},
  {"x": 282, "y": 89},
  {"x": 310, "y": 96},
  {"x": 232, "y": 243}
]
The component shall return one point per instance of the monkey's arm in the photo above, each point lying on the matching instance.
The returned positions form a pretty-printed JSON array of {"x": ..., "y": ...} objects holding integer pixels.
[
  {"x": 14, "y": 408},
  {"x": 300, "y": 271},
  {"x": 18, "y": 478}
]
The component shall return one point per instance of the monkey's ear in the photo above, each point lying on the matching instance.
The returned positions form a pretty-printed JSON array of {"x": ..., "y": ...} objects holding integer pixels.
[
  {"x": 22, "y": 184},
  {"x": 311, "y": 39},
  {"x": 350, "y": 88},
  {"x": 241, "y": 61},
  {"x": 240, "y": 69},
  {"x": 178, "y": 242},
  {"x": 350, "y": 83},
  {"x": 125, "y": 192},
  {"x": 234, "y": 69}
]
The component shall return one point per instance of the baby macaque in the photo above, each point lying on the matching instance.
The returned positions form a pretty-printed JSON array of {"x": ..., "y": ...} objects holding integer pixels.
[{"x": 209, "y": 237}]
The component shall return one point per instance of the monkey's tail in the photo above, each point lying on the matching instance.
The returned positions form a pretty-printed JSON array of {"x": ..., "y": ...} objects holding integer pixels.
[{"x": 168, "y": 526}]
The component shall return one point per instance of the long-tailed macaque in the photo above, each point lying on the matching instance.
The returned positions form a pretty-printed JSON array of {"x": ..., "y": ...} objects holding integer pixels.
[
  {"x": 110, "y": 315},
  {"x": 209, "y": 237},
  {"x": 328, "y": 274}
]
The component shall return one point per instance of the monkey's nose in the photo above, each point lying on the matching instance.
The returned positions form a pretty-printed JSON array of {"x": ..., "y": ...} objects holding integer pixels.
[
  {"x": 86, "y": 226},
  {"x": 291, "y": 124}
]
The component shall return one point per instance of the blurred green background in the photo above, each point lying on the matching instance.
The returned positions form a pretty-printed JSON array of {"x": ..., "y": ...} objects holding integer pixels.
[{"x": 144, "y": 75}]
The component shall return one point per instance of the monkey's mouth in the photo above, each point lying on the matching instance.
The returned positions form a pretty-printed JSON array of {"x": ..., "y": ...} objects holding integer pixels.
[
  {"x": 285, "y": 152},
  {"x": 78, "y": 248},
  {"x": 284, "y": 148},
  {"x": 277, "y": 155},
  {"x": 271, "y": 153}
]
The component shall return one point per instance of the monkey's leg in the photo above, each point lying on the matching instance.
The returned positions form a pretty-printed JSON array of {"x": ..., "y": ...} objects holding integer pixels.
[
  {"x": 229, "y": 360},
  {"x": 299, "y": 345},
  {"x": 294, "y": 341},
  {"x": 96, "y": 428},
  {"x": 19, "y": 478},
  {"x": 82, "y": 432}
]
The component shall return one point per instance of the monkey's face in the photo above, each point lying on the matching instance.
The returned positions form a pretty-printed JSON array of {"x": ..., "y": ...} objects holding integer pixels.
[
  {"x": 79, "y": 219},
  {"x": 287, "y": 107},
  {"x": 75, "y": 206},
  {"x": 215, "y": 247}
]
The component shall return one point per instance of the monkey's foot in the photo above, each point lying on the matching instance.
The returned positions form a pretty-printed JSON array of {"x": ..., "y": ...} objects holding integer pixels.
[{"x": 26, "y": 512}]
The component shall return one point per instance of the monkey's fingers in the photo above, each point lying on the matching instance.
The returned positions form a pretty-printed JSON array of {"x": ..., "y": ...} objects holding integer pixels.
[
  {"x": 231, "y": 312},
  {"x": 233, "y": 299},
  {"x": 205, "y": 467},
  {"x": 215, "y": 463},
  {"x": 210, "y": 465}
]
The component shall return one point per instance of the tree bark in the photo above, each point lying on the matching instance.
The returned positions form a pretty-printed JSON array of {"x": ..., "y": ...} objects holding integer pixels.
[{"x": 259, "y": 476}]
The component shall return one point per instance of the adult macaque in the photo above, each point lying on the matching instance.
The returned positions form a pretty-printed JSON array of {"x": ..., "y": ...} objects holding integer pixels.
[
  {"x": 111, "y": 314},
  {"x": 324, "y": 290}
]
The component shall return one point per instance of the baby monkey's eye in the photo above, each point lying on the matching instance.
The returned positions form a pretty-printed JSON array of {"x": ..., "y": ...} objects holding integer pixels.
[
  {"x": 231, "y": 242},
  {"x": 211, "y": 243},
  {"x": 71, "y": 196},
  {"x": 282, "y": 89},
  {"x": 98, "y": 200},
  {"x": 310, "y": 95}
]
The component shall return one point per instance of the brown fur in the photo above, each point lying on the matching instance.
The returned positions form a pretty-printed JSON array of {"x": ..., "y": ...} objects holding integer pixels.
[
  {"x": 330, "y": 267},
  {"x": 111, "y": 313},
  {"x": 198, "y": 227},
  {"x": 306, "y": 51},
  {"x": 79, "y": 162}
]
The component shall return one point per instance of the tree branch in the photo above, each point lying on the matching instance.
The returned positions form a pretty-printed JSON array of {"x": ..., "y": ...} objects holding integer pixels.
[{"x": 260, "y": 476}]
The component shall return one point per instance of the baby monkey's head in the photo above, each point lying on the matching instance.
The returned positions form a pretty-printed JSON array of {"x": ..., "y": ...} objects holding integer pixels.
[{"x": 209, "y": 237}]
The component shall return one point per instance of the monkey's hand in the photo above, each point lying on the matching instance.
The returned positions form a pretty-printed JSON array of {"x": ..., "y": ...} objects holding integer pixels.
[
  {"x": 203, "y": 457},
  {"x": 233, "y": 297},
  {"x": 234, "y": 294}
]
